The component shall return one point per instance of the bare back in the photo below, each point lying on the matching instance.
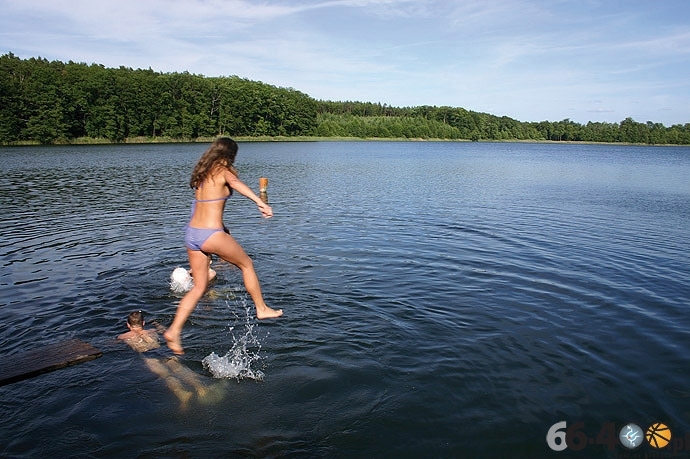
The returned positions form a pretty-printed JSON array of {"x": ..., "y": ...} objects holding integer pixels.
[
  {"x": 210, "y": 200},
  {"x": 141, "y": 340}
]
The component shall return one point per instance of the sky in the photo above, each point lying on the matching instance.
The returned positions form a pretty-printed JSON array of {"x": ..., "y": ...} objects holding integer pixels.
[{"x": 531, "y": 60}]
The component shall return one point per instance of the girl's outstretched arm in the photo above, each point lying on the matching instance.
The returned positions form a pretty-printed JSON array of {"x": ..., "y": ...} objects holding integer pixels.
[{"x": 238, "y": 185}]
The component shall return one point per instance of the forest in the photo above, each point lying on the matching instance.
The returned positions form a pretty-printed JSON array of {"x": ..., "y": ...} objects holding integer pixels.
[{"x": 49, "y": 102}]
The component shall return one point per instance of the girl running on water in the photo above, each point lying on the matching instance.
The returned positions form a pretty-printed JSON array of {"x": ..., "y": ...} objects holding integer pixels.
[{"x": 213, "y": 180}]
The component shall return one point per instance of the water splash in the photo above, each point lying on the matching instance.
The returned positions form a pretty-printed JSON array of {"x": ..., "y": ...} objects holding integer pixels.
[
  {"x": 181, "y": 281},
  {"x": 241, "y": 360}
]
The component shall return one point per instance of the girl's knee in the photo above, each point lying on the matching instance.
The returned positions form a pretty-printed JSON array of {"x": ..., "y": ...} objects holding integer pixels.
[{"x": 244, "y": 263}]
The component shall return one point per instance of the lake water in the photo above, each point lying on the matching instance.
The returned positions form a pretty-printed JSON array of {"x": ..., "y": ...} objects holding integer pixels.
[{"x": 441, "y": 300}]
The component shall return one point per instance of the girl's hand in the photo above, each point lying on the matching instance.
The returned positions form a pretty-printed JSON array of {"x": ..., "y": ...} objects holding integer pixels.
[{"x": 265, "y": 209}]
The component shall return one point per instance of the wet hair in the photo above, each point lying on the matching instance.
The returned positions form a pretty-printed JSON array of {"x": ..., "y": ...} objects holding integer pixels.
[
  {"x": 136, "y": 319},
  {"x": 221, "y": 154}
]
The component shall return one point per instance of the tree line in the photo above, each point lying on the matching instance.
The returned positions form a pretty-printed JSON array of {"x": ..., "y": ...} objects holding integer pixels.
[
  {"x": 365, "y": 119},
  {"x": 54, "y": 101},
  {"x": 51, "y": 101}
]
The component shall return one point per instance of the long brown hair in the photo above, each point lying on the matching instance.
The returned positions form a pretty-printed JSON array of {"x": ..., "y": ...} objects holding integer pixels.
[{"x": 221, "y": 154}]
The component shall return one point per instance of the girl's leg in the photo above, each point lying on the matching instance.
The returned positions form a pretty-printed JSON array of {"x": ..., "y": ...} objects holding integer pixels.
[
  {"x": 198, "y": 263},
  {"x": 226, "y": 247}
]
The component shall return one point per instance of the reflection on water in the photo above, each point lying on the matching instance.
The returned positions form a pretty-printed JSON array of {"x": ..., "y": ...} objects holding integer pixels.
[{"x": 441, "y": 299}]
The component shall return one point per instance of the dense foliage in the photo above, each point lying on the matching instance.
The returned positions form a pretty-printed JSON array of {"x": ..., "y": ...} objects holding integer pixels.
[
  {"x": 363, "y": 119},
  {"x": 51, "y": 101}
]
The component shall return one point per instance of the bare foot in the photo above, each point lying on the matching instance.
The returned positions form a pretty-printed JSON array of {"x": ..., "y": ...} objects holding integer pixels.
[
  {"x": 174, "y": 342},
  {"x": 268, "y": 313}
]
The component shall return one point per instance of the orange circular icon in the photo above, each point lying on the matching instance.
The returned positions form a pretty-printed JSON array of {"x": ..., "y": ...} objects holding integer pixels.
[{"x": 658, "y": 435}]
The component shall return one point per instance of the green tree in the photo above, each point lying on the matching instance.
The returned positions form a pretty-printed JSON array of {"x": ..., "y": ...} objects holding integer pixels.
[
  {"x": 13, "y": 117},
  {"x": 57, "y": 102}
]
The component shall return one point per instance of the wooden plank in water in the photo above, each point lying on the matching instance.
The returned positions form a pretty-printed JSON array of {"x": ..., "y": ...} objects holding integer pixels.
[{"x": 48, "y": 358}]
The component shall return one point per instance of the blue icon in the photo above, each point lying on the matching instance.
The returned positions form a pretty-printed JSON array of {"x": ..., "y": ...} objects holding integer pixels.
[{"x": 631, "y": 436}]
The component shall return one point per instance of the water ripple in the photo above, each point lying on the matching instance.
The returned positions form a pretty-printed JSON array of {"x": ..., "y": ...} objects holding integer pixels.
[{"x": 434, "y": 294}]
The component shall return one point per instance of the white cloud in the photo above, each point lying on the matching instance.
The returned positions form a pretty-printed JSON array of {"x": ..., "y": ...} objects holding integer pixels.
[{"x": 529, "y": 59}]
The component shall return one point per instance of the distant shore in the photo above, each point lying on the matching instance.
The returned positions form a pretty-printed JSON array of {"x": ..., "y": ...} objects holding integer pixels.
[{"x": 163, "y": 140}]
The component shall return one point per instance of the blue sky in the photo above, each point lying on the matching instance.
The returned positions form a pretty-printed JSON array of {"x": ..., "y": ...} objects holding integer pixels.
[{"x": 532, "y": 60}]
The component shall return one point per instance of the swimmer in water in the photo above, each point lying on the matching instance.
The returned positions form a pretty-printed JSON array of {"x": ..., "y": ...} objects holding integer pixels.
[
  {"x": 182, "y": 381},
  {"x": 137, "y": 338}
]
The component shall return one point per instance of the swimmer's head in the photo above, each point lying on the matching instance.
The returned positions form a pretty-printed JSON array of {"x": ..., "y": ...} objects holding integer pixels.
[
  {"x": 135, "y": 319},
  {"x": 180, "y": 280}
]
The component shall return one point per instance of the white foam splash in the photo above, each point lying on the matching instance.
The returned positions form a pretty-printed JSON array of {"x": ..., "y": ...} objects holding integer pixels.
[
  {"x": 181, "y": 281},
  {"x": 239, "y": 361}
]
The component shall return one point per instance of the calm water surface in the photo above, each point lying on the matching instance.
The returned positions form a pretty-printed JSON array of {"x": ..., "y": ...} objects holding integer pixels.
[{"x": 441, "y": 300}]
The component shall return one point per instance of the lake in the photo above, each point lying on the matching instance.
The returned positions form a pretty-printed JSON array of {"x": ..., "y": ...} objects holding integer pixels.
[{"x": 441, "y": 300}]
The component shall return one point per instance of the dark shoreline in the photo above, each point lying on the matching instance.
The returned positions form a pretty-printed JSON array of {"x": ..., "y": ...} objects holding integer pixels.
[{"x": 168, "y": 140}]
